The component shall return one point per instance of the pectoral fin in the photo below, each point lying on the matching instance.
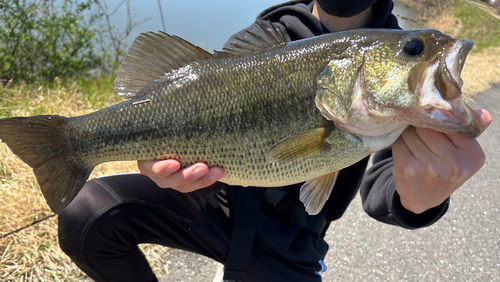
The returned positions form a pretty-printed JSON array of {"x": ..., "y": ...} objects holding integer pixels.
[
  {"x": 315, "y": 192},
  {"x": 300, "y": 145}
]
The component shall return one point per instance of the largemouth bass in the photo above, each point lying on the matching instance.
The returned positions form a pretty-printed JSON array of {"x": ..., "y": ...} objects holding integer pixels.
[{"x": 269, "y": 112}]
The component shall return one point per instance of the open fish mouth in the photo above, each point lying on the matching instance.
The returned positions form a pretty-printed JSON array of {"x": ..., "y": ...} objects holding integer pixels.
[
  {"x": 442, "y": 105},
  {"x": 449, "y": 83},
  {"x": 447, "y": 77}
]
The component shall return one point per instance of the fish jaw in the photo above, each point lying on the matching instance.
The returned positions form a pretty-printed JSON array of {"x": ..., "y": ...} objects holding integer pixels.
[
  {"x": 447, "y": 76},
  {"x": 448, "y": 120},
  {"x": 441, "y": 104}
]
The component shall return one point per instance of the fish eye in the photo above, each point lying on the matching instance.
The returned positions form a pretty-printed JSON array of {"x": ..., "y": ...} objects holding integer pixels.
[{"x": 414, "y": 47}]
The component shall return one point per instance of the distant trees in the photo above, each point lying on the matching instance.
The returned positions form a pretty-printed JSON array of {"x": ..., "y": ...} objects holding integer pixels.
[{"x": 44, "y": 39}]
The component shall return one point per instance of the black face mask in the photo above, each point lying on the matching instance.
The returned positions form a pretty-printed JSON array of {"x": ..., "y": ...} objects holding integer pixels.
[{"x": 345, "y": 8}]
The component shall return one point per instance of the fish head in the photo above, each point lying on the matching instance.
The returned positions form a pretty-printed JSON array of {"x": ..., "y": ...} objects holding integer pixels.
[
  {"x": 437, "y": 84},
  {"x": 404, "y": 78}
]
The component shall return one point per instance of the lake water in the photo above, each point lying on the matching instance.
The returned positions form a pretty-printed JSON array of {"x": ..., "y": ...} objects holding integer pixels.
[{"x": 207, "y": 23}]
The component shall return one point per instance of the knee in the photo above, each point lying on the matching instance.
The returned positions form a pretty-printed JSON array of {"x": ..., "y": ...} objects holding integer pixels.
[
  {"x": 70, "y": 231},
  {"x": 75, "y": 220}
]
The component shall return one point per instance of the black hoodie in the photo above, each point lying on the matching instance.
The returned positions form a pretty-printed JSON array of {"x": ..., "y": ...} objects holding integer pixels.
[
  {"x": 380, "y": 199},
  {"x": 296, "y": 21},
  {"x": 282, "y": 231}
]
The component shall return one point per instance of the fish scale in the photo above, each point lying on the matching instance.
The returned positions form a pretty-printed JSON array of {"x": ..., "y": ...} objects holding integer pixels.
[{"x": 270, "y": 113}]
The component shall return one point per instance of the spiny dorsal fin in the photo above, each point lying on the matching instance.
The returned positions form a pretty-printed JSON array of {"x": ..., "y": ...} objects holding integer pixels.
[
  {"x": 255, "y": 41},
  {"x": 152, "y": 55}
]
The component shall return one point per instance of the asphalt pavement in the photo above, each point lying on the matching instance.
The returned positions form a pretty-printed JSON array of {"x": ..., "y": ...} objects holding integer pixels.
[{"x": 463, "y": 246}]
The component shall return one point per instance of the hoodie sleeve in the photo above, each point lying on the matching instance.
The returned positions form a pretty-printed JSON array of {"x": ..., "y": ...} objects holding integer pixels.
[{"x": 381, "y": 200}]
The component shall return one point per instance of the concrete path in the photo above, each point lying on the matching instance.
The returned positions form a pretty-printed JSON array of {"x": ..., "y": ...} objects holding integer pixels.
[{"x": 463, "y": 246}]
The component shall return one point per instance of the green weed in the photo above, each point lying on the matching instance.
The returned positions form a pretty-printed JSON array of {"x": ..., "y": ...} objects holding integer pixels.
[{"x": 477, "y": 24}]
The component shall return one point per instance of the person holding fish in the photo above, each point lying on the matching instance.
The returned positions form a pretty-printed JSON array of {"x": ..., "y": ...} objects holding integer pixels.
[{"x": 268, "y": 234}]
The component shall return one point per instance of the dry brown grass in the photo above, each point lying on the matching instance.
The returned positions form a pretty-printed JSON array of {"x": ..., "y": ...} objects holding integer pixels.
[
  {"x": 33, "y": 254},
  {"x": 481, "y": 70},
  {"x": 427, "y": 9},
  {"x": 445, "y": 22}
]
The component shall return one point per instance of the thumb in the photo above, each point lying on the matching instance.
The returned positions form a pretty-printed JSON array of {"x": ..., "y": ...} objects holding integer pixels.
[{"x": 484, "y": 118}]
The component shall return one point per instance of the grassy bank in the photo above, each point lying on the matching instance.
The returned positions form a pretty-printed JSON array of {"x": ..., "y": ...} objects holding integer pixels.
[
  {"x": 480, "y": 24},
  {"x": 471, "y": 20},
  {"x": 466, "y": 19},
  {"x": 34, "y": 255}
]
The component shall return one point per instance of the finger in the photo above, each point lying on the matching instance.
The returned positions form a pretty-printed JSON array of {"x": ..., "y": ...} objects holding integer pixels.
[
  {"x": 183, "y": 177},
  {"x": 403, "y": 158},
  {"x": 470, "y": 147},
  {"x": 415, "y": 144},
  {"x": 155, "y": 169},
  {"x": 469, "y": 151},
  {"x": 214, "y": 174},
  {"x": 484, "y": 118},
  {"x": 401, "y": 151},
  {"x": 437, "y": 142}
]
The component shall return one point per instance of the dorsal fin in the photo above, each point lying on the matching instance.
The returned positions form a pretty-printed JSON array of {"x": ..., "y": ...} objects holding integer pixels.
[
  {"x": 255, "y": 41},
  {"x": 152, "y": 55}
]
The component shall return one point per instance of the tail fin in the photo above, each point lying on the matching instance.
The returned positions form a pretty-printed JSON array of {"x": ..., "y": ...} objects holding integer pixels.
[{"x": 38, "y": 141}]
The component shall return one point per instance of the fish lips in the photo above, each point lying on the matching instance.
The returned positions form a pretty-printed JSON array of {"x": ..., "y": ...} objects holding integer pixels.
[
  {"x": 447, "y": 76},
  {"x": 463, "y": 121},
  {"x": 461, "y": 118}
]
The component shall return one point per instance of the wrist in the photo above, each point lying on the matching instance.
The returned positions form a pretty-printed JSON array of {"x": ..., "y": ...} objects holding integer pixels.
[
  {"x": 417, "y": 208},
  {"x": 411, "y": 219},
  {"x": 411, "y": 207}
]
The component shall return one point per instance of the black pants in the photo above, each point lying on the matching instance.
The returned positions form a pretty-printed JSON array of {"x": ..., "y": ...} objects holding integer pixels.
[{"x": 101, "y": 228}]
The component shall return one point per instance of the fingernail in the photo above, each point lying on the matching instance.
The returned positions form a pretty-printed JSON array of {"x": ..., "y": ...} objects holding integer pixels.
[
  {"x": 215, "y": 176},
  {"x": 199, "y": 171},
  {"x": 478, "y": 113},
  {"x": 170, "y": 168}
]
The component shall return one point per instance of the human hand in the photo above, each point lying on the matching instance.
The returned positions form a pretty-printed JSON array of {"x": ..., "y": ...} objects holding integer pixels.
[
  {"x": 167, "y": 174},
  {"x": 429, "y": 165}
]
